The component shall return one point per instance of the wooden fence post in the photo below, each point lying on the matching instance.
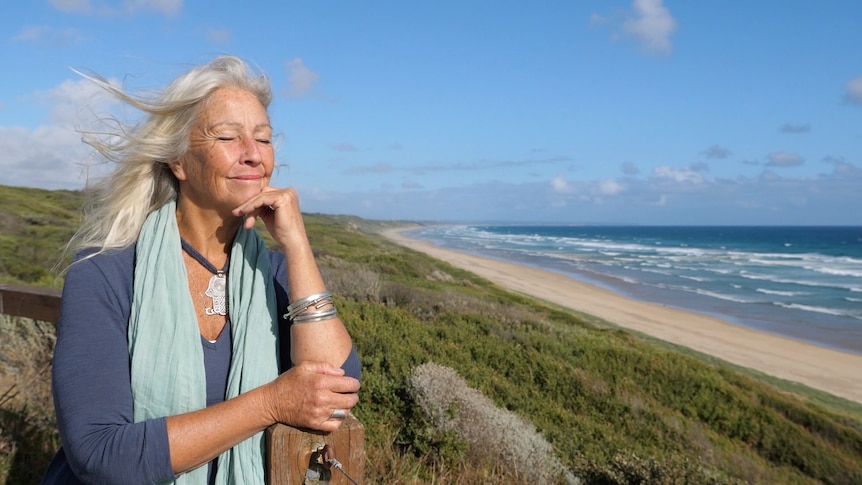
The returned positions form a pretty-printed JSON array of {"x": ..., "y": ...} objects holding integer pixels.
[{"x": 295, "y": 456}]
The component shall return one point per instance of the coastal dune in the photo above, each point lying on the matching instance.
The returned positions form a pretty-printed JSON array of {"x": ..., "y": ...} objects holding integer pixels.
[{"x": 838, "y": 373}]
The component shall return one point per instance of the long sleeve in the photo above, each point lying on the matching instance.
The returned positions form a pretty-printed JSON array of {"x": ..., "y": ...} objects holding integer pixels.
[{"x": 92, "y": 390}]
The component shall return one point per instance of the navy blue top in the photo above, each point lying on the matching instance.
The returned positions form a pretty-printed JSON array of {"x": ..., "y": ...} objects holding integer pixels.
[{"x": 91, "y": 383}]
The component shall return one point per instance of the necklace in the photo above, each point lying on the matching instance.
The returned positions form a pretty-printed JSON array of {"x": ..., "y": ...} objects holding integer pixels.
[{"x": 217, "y": 287}]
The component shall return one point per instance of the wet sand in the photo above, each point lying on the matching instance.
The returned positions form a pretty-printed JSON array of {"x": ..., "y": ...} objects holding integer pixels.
[{"x": 838, "y": 373}]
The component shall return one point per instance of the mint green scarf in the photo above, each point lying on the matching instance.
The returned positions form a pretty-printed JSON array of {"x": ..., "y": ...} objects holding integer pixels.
[{"x": 167, "y": 365}]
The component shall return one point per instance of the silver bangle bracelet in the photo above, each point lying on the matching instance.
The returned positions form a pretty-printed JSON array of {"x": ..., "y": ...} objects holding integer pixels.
[
  {"x": 317, "y": 301},
  {"x": 312, "y": 317}
]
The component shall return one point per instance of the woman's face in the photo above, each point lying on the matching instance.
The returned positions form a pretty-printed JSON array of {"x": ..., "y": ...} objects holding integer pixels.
[{"x": 230, "y": 157}]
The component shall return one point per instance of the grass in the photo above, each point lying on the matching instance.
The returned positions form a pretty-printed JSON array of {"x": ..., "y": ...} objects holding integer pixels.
[
  {"x": 613, "y": 406},
  {"x": 35, "y": 225}
]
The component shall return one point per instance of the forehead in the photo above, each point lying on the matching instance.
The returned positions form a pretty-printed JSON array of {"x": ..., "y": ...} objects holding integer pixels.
[{"x": 232, "y": 105}]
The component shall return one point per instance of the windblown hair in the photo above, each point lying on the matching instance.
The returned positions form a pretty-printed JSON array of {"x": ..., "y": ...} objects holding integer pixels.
[{"x": 142, "y": 181}]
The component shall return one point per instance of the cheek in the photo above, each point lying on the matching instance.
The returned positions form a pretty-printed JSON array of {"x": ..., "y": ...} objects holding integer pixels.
[{"x": 269, "y": 162}]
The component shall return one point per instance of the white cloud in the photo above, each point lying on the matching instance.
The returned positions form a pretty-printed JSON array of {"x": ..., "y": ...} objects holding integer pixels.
[
  {"x": 75, "y": 103},
  {"x": 52, "y": 155},
  {"x": 684, "y": 175},
  {"x": 301, "y": 80},
  {"x": 610, "y": 187},
  {"x": 49, "y": 156},
  {"x": 652, "y": 26},
  {"x": 783, "y": 159},
  {"x": 560, "y": 185},
  {"x": 853, "y": 91}
]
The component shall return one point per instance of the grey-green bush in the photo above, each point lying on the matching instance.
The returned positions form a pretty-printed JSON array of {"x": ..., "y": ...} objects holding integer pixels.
[{"x": 453, "y": 406}]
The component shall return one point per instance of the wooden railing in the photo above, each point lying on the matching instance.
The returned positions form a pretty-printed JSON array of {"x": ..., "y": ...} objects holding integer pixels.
[
  {"x": 294, "y": 456},
  {"x": 29, "y": 302}
]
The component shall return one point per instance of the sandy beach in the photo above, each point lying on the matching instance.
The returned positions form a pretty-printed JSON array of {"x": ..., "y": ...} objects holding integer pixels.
[{"x": 832, "y": 371}]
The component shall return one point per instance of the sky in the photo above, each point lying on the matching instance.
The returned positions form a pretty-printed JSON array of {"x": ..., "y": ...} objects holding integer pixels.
[{"x": 651, "y": 112}]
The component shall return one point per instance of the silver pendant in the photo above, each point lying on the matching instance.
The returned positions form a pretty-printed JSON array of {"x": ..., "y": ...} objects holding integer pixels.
[{"x": 217, "y": 290}]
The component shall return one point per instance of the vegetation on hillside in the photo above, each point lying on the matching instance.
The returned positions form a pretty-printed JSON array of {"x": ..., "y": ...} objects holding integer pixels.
[
  {"x": 615, "y": 408},
  {"x": 35, "y": 225}
]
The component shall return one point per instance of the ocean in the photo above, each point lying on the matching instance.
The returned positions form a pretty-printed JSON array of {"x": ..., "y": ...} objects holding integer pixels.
[{"x": 799, "y": 282}]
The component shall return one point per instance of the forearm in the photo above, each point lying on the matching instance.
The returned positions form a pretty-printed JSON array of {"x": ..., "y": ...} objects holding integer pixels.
[
  {"x": 198, "y": 437},
  {"x": 325, "y": 341}
]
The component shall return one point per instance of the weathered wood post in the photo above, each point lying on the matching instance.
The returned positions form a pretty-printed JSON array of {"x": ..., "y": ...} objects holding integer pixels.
[{"x": 299, "y": 457}]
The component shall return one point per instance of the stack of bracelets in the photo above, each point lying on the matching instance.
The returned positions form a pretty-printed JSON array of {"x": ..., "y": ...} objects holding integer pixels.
[{"x": 296, "y": 311}]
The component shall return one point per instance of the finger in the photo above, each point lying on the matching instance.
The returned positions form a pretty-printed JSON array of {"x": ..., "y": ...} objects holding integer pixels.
[
  {"x": 330, "y": 425},
  {"x": 253, "y": 212},
  {"x": 266, "y": 198},
  {"x": 342, "y": 405},
  {"x": 346, "y": 385},
  {"x": 251, "y": 207}
]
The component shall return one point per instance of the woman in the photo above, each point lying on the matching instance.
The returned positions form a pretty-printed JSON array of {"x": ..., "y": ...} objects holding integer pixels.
[{"x": 174, "y": 313}]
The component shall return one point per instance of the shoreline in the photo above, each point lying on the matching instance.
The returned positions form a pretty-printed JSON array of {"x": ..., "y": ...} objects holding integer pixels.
[{"x": 821, "y": 368}]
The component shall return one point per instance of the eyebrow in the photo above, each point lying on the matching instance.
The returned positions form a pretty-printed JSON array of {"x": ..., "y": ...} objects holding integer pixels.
[{"x": 236, "y": 123}]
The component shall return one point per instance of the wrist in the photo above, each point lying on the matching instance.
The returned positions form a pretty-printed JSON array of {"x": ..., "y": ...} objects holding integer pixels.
[
  {"x": 295, "y": 241},
  {"x": 265, "y": 402}
]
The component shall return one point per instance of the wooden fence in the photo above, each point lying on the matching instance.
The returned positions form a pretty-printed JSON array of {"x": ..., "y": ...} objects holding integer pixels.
[{"x": 294, "y": 456}]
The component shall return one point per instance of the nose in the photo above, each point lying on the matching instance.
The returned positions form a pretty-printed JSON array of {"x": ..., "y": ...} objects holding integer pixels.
[{"x": 252, "y": 154}]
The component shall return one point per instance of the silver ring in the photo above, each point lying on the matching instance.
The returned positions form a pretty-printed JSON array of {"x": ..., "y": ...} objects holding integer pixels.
[{"x": 339, "y": 414}]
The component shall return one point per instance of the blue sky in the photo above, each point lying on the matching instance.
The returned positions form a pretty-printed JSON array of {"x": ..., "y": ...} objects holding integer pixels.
[{"x": 593, "y": 111}]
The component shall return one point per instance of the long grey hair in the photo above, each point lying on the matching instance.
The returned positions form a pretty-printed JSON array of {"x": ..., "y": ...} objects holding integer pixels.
[{"x": 141, "y": 182}]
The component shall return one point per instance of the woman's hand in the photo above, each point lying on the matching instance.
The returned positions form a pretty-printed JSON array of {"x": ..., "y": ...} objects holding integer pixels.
[
  {"x": 306, "y": 396},
  {"x": 279, "y": 210}
]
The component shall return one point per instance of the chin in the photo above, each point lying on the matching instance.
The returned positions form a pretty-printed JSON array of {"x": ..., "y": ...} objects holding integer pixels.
[{"x": 249, "y": 188}]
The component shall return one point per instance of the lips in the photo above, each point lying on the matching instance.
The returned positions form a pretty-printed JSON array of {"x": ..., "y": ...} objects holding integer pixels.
[{"x": 248, "y": 178}]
